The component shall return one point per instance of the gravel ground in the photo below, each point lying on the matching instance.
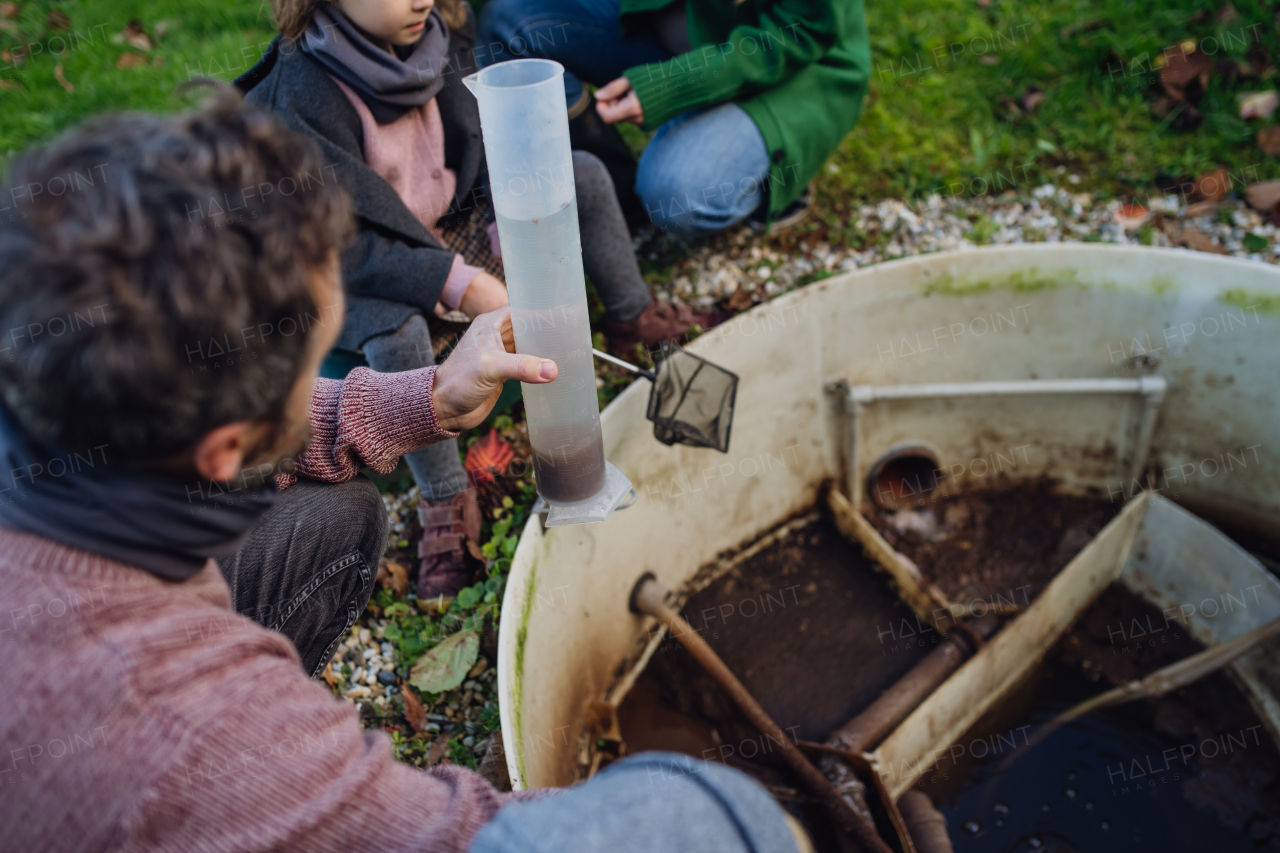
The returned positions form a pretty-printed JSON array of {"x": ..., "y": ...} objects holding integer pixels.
[
  {"x": 745, "y": 261},
  {"x": 364, "y": 672}
]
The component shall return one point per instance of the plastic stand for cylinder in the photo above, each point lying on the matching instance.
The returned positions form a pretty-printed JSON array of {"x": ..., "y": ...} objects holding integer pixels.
[
  {"x": 598, "y": 507},
  {"x": 526, "y": 143}
]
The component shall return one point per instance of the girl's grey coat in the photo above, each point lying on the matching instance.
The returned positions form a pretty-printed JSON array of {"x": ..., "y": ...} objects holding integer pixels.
[{"x": 395, "y": 268}]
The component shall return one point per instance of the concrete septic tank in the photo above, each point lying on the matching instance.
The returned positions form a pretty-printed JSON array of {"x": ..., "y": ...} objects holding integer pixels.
[{"x": 1099, "y": 367}]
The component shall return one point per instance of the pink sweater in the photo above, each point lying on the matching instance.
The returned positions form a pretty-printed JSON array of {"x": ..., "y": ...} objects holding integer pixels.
[
  {"x": 143, "y": 715},
  {"x": 408, "y": 153}
]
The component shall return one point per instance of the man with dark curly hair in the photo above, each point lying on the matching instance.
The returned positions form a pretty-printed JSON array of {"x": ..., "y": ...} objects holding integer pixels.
[{"x": 184, "y": 534}]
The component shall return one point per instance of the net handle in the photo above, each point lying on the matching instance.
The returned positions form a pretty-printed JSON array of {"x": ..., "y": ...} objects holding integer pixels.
[{"x": 626, "y": 365}]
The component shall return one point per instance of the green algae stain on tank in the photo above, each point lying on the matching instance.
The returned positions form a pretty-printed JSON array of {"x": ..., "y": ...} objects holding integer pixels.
[
  {"x": 1255, "y": 303},
  {"x": 1023, "y": 281},
  {"x": 517, "y": 681}
]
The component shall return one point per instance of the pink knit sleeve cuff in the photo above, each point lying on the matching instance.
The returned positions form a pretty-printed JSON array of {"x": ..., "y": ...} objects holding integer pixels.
[
  {"x": 368, "y": 420},
  {"x": 460, "y": 277}
]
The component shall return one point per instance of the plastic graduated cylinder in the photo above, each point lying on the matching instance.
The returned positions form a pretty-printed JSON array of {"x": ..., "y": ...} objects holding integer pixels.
[{"x": 526, "y": 137}]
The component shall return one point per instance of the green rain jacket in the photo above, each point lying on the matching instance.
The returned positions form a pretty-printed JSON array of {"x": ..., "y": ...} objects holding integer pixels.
[{"x": 799, "y": 68}]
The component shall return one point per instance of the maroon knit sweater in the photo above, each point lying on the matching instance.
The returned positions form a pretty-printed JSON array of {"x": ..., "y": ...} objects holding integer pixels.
[{"x": 140, "y": 714}]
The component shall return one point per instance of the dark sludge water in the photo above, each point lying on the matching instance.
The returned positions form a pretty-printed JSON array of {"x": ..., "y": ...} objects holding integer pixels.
[{"x": 1121, "y": 779}]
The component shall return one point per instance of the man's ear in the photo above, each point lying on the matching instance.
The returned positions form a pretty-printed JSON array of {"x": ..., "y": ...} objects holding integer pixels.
[{"x": 220, "y": 454}]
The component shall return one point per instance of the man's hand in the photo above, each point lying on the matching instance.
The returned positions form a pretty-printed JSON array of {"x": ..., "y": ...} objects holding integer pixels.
[
  {"x": 470, "y": 379},
  {"x": 617, "y": 102}
]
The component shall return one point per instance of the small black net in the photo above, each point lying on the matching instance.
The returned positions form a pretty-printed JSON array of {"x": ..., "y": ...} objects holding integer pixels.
[{"x": 692, "y": 400}]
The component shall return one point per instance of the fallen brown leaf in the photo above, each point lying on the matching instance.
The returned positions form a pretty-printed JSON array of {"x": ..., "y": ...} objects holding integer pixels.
[
  {"x": 494, "y": 764},
  {"x": 1031, "y": 98},
  {"x": 1200, "y": 208},
  {"x": 8, "y": 85},
  {"x": 1185, "y": 74},
  {"x": 989, "y": 59},
  {"x": 1211, "y": 186},
  {"x": 1202, "y": 242},
  {"x": 414, "y": 713},
  {"x": 57, "y": 20},
  {"x": 741, "y": 300},
  {"x": 136, "y": 35},
  {"x": 394, "y": 577},
  {"x": 62, "y": 79},
  {"x": 1131, "y": 217},
  {"x": 1263, "y": 196},
  {"x": 8, "y": 10},
  {"x": 330, "y": 677},
  {"x": 1258, "y": 104},
  {"x": 130, "y": 60},
  {"x": 437, "y": 751},
  {"x": 1269, "y": 141}
]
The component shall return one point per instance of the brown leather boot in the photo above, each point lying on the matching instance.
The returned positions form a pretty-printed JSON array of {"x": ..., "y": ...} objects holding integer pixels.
[
  {"x": 445, "y": 525},
  {"x": 661, "y": 321}
]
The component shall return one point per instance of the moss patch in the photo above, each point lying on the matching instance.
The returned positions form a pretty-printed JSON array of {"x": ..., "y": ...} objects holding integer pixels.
[
  {"x": 517, "y": 681},
  {"x": 1240, "y": 298}
]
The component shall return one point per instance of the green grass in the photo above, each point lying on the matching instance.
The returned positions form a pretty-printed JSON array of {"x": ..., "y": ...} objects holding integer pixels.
[
  {"x": 219, "y": 38},
  {"x": 939, "y": 118}
]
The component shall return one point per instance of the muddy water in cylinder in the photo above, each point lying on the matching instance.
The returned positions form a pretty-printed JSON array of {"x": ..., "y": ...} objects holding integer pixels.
[
  {"x": 1194, "y": 770},
  {"x": 543, "y": 262}
]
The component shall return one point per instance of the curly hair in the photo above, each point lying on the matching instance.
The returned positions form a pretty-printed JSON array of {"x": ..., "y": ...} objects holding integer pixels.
[
  {"x": 292, "y": 16},
  {"x": 137, "y": 246}
]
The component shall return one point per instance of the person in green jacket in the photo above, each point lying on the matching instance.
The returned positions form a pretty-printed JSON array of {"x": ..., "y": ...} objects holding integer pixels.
[{"x": 747, "y": 98}]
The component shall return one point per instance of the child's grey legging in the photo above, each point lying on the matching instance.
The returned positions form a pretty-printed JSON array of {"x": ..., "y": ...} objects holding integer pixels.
[{"x": 610, "y": 263}]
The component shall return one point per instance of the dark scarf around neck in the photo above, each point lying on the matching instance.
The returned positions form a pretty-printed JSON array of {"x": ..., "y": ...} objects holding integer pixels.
[
  {"x": 142, "y": 519},
  {"x": 389, "y": 85}
]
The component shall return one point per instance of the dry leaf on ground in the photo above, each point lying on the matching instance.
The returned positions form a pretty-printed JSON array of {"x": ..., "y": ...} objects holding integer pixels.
[
  {"x": 1131, "y": 217},
  {"x": 741, "y": 300},
  {"x": 1263, "y": 196},
  {"x": 445, "y": 666},
  {"x": 57, "y": 20},
  {"x": 1185, "y": 74},
  {"x": 130, "y": 60},
  {"x": 1269, "y": 141},
  {"x": 8, "y": 85},
  {"x": 62, "y": 79},
  {"x": 1258, "y": 104},
  {"x": 8, "y": 10},
  {"x": 394, "y": 577},
  {"x": 438, "y": 750},
  {"x": 330, "y": 677},
  {"x": 1200, "y": 208},
  {"x": 136, "y": 36},
  {"x": 414, "y": 713},
  {"x": 1031, "y": 98},
  {"x": 1202, "y": 242},
  {"x": 1211, "y": 186}
]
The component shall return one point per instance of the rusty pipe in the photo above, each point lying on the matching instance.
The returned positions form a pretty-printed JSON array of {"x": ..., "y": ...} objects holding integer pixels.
[
  {"x": 873, "y": 724},
  {"x": 648, "y": 597},
  {"x": 927, "y": 825}
]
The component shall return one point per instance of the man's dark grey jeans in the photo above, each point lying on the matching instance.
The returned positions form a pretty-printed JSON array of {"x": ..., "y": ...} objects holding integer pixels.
[{"x": 307, "y": 570}]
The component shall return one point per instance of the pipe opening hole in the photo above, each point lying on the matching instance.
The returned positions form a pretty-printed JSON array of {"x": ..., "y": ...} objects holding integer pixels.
[{"x": 903, "y": 478}]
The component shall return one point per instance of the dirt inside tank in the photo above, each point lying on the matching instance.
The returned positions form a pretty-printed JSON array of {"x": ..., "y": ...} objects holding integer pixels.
[
  {"x": 810, "y": 628},
  {"x": 1192, "y": 770},
  {"x": 816, "y": 634},
  {"x": 997, "y": 545}
]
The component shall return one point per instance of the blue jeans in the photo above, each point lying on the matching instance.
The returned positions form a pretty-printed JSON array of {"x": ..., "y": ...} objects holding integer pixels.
[
  {"x": 702, "y": 172},
  {"x": 653, "y": 801}
]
